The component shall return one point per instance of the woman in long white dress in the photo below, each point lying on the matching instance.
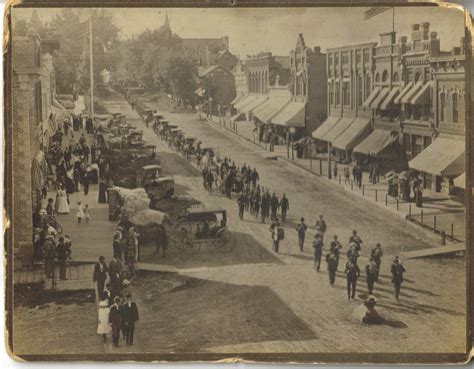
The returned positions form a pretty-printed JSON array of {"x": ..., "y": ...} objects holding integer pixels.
[
  {"x": 103, "y": 326},
  {"x": 63, "y": 206}
]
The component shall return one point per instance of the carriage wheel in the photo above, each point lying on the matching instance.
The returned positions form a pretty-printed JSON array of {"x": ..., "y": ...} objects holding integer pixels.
[
  {"x": 225, "y": 242},
  {"x": 181, "y": 238}
]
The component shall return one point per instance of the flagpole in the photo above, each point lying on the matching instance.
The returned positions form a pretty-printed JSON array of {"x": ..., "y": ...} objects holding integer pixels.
[
  {"x": 393, "y": 19},
  {"x": 91, "y": 67}
]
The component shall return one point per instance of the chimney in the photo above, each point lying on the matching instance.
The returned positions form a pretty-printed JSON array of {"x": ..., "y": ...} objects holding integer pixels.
[
  {"x": 317, "y": 49},
  {"x": 426, "y": 29},
  {"x": 225, "y": 39},
  {"x": 433, "y": 35},
  {"x": 415, "y": 27},
  {"x": 403, "y": 44}
]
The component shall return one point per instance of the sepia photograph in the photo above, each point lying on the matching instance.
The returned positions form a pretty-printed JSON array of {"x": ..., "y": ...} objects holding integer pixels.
[{"x": 271, "y": 184}]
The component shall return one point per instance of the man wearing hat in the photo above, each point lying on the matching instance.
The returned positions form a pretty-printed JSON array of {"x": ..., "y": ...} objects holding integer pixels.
[
  {"x": 332, "y": 266},
  {"x": 129, "y": 318},
  {"x": 318, "y": 250},
  {"x": 356, "y": 239},
  {"x": 301, "y": 228},
  {"x": 115, "y": 320},
  {"x": 100, "y": 275},
  {"x": 321, "y": 226},
  {"x": 336, "y": 249},
  {"x": 397, "y": 270},
  {"x": 371, "y": 272},
  {"x": 377, "y": 254},
  {"x": 352, "y": 273}
]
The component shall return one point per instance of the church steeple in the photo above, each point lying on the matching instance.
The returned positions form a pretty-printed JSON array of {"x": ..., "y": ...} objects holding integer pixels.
[
  {"x": 166, "y": 27},
  {"x": 35, "y": 22}
]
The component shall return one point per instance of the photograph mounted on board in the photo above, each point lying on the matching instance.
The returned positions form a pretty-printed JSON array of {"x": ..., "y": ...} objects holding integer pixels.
[{"x": 273, "y": 184}]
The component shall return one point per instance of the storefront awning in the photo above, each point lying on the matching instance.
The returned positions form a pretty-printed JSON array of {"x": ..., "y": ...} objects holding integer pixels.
[
  {"x": 424, "y": 95},
  {"x": 237, "y": 117},
  {"x": 378, "y": 100},
  {"x": 245, "y": 101},
  {"x": 460, "y": 181},
  {"x": 293, "y": 115},
  {"x": 376, "y": 142},
  {"x": 237, "y": 99},
  {"x": 371, "y": 97},
  {"x": 254, "y": 104},
  {"x": 353, "y": 134},
  {"x": 258, "y": 111},
  {"x": 328, "y": 124},
  {"x": 444, "y": 157},
  {"x": 389, "y": 99},
  {"x": 404, "y": 91},
  {"x": 410, "y": 94},
  {"x": 337, "y": 130},
  {"x": 271, "y": 109}
]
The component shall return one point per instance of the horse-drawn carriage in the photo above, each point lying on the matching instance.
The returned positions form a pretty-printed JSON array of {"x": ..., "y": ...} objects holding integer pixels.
[{"x": 203, "y": 226}]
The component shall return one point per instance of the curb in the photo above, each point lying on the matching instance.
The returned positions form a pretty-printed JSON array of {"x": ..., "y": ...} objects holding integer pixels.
[{"x": 432, "y": 235}]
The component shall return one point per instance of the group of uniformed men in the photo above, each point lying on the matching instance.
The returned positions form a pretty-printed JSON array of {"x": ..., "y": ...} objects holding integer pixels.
[{"x": 351, "y": 268}]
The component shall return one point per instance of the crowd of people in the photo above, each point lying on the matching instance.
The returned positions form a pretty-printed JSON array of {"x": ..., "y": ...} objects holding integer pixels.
[
  {"x": 117, "y": 312},
  {"x": 225, "y": 176}
]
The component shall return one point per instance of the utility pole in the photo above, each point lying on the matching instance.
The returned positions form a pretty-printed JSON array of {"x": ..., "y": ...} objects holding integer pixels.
[{"x": 91, "y": 67}]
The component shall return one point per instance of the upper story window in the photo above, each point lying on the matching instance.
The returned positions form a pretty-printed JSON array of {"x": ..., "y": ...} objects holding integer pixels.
[
  {"x": 336, "y": 59},
  {"x": 417, "y": 76},
  {"x": 384, "y": 76},
  {"x": 366, "y": 55},
  {"x": 345, "y": 59},
  {"x": 442, "y": 104},
  {"x": 455, "y": 108},
  {"x": 346, "y": 93},
  {"x": 357, "y": 56},
  {"x": 396, "y": 77},
  {"x": 377, "y": 77}
]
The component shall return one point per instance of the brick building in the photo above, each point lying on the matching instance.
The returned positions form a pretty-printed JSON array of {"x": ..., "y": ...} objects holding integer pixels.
[
  {"x": 33, "y": 122},
  {"x": 442, "y": 163},
  {"x": 217, "y": 89},
  {"x": 349, "y": 82},
  {"x": 263, "y": 71}
]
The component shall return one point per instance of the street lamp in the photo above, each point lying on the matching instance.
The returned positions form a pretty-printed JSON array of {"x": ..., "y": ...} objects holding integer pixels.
[{"x": 292, "y": 132}]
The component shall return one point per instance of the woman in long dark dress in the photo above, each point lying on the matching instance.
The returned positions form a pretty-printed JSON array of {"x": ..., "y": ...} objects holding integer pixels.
[{"x": 102, "y": 192}]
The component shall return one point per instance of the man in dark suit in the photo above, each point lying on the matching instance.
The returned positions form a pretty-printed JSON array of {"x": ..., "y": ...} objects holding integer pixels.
[
  {"x": 100, "y": 275},
  {"x": 115, "y": 320},
  {"x": 129, "y": 318}
]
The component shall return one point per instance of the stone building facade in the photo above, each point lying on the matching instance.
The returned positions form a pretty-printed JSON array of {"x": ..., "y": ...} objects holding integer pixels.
[
  {"x": 263, "y": 69},
  {"x": 33, "y": 124}
]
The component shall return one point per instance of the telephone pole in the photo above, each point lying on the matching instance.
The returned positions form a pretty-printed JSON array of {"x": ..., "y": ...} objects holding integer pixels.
[{"x": 91, "y": 67}]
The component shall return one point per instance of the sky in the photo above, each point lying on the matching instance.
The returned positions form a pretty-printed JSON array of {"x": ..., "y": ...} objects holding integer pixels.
[{"x": 254, "y": 30}]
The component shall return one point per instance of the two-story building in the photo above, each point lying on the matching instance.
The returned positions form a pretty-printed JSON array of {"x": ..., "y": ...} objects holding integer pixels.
[
  {"x": 263, "y": 71},
  {"x": 443, "y": 160},
  {"x": 217, "y": 89},
  {"x": 306, "y": 108},
  {"x": 350, "y": 73}
]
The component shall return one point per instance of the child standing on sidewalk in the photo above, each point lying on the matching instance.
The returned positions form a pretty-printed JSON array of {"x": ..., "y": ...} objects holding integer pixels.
[{"x": 87, "y": 215}]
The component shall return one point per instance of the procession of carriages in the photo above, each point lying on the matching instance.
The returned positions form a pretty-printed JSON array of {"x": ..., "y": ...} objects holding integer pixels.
[{"x": 143, "y": 197}]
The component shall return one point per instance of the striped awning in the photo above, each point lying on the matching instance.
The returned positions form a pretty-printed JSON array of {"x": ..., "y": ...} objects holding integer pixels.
[
  {"x": 460, "y": 181},
  {"x": 371, "y": 97},
  {"x": 293, "y": 115},
  {"x": 254, "y": 104},
  {"x": 444, "y": 157},
  {"x": 237, "y": 117},
  {"x": 337, "y": 130},
  {"x": 328, "y": 124},
  {"x": 410, "y": 94},
  {"x": 379, "y": 99},
  {"x": 424, "y": 95},
  {"x": 389, "y": 99},
  {"x": 407, "y": 88},
  {"x": 237, "y": 99},
  {"x": 271, "y": 108},
  {"x": 355, "y": 133},
  {"x": 374, "y": 143},
  {"x": 245, "y": 101}
]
